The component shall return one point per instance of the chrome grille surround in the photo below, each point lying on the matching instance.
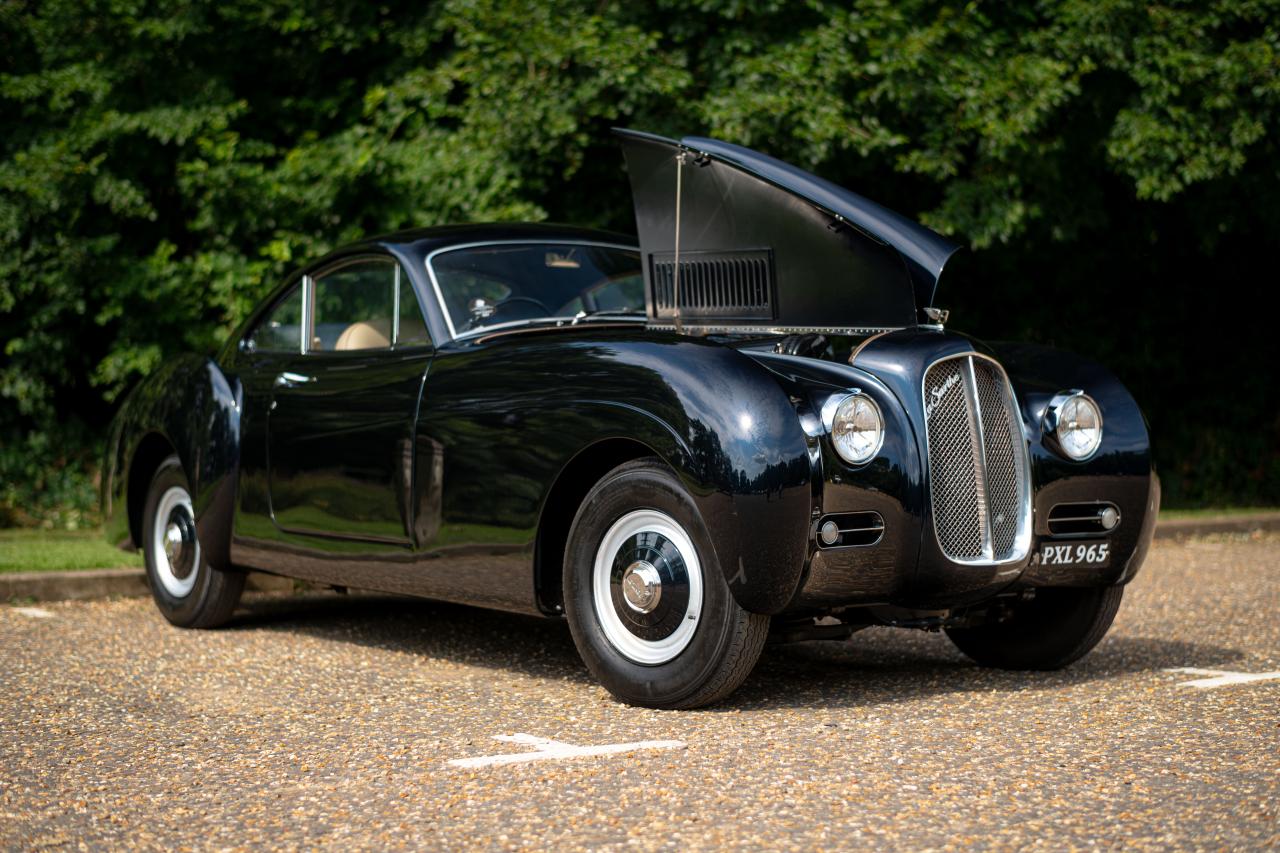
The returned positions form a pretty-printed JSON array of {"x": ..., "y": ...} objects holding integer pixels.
[{"x": 979, "y": 472}]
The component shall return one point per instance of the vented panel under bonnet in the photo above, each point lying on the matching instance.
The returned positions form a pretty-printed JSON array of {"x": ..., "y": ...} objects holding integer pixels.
[
  {"x": 715, "y": 285},
  {"x": 977, "y": 462}
]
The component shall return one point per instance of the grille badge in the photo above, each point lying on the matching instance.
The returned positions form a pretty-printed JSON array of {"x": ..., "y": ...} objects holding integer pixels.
[{"x": 940, "y": 391}]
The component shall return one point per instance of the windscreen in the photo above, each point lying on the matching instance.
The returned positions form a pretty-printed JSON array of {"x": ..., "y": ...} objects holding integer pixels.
[{"x": 503, "y": 284}]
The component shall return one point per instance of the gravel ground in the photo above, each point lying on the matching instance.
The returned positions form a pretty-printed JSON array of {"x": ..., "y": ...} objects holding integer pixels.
[{"x": 329, "y": 721}]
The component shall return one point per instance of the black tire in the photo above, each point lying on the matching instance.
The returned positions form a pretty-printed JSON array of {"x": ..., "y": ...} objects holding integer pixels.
[
  {"x": 1056, "y": 628},
  {"x": 726, "y": 640},
  {"x": 189, "y": 592}
]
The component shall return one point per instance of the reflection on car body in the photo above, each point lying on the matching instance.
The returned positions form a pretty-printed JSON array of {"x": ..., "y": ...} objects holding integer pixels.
[{"x": 750, "y": 418}]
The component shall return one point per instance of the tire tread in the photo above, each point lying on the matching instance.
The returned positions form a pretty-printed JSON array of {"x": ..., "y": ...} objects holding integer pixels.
[
  {"x": 743, "y": 634},
  {"x": 215, "y": 597},
  {"x": 1043, "y": 640}
]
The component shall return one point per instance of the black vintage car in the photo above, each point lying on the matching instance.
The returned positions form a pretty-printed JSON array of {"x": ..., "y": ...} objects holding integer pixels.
[{"x": 750, "y": 419}]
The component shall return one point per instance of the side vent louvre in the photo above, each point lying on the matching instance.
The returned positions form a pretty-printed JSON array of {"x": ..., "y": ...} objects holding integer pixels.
[
  {"x": 735, "y": 285},
  {"x": 855, "y": 528},
  {"x": 1087, "y": 518}
]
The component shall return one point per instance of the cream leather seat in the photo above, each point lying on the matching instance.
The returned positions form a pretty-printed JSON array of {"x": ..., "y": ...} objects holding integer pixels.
[{"x": 362, "y": 335}]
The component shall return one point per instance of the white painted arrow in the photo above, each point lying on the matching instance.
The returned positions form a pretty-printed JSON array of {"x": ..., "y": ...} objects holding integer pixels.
[
  {"x": 548, "y": 750},
  {"x": 33, "y": 612},
  {"x": 1220, "y": 677}
]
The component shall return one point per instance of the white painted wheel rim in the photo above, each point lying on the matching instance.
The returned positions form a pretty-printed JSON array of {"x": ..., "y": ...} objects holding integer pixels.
[
  {"x": 175, "y": 498},
  {"x": 628, "y": 644}
]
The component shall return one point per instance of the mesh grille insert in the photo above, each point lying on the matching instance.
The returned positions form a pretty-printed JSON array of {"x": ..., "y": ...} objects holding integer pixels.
[
  {"x": 977, "y": 467},
  {"x": 999, "y": 434}
]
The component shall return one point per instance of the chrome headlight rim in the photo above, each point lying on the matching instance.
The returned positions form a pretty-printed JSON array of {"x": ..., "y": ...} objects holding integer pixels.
[
  {"x": 831, "y": 412},
  {"x": 1053, "y": 423}
]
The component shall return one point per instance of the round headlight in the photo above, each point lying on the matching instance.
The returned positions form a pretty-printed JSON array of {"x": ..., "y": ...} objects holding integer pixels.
[
  {"x": 857, "y": 430},
  {"x": 1078, "y": 425}
]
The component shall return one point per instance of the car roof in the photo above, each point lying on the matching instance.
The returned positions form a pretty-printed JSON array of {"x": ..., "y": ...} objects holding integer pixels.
[{"x": 422, "y": 241}]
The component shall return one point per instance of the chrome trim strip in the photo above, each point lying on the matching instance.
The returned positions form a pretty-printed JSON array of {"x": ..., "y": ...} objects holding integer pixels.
[
  {"x": 979, "y": 433},
  {"x": 1022, "y": 538},
  {"x": 395, "y": 309},
  {"x": 307, "y": 320},
  {"x": 694, "y": 326},
  {"x": 435, "y": 282}
]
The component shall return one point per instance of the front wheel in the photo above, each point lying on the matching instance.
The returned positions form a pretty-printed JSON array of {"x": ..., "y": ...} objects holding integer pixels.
[
  {"x": 187, "y": 590},
  {"x": 1057, "y": 627},
  {"x": 647, "y": 602}
]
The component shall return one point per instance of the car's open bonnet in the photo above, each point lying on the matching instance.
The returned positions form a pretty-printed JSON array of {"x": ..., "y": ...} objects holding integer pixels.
[{"x": 765, "y": 245}]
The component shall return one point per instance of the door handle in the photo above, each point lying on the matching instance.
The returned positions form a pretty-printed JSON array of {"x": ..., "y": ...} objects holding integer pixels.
[{"x": 289, "y": 379}]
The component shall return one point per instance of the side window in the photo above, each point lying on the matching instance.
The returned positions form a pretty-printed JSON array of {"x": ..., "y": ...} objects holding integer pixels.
[
  {"x": 281, "y": 330},
  {"x": 365, "y": 305},
  {"x": 354, "y": 307}
]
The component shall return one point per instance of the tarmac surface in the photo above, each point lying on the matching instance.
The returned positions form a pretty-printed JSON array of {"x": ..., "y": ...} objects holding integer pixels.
[{"x": 326, "y": 721}]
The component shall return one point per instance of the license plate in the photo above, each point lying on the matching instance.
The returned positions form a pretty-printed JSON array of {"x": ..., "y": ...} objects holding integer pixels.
[{"x": 1086, "y": 553}]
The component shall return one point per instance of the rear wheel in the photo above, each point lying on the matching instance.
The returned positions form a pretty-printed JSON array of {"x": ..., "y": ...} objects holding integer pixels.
[
  {"x": 649, "y": 608},
  {"x": 189, "y": 592},
  {"x": 1057, "y": 627}
]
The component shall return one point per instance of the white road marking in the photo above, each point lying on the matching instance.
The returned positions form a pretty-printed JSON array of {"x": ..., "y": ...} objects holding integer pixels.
[
  {"x": 33, "y": 612},
  {"x": 1220, "y": 677},
  {"x": 548, "y": 750}
]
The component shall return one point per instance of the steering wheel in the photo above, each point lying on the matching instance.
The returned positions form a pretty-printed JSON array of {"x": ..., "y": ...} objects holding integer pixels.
[{"x": 510, "y": 299}]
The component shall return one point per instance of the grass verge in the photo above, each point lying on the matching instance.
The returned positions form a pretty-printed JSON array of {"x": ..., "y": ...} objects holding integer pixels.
[
  {"x": 24, "y": 550},
  {"x": 59, "y": 550}
]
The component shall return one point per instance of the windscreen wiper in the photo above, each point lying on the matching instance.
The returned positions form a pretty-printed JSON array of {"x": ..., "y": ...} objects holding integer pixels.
[{"x": 606, "y": 312}]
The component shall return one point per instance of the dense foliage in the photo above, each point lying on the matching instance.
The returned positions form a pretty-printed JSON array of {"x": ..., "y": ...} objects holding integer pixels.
[{"x": 1113, "y": 164}]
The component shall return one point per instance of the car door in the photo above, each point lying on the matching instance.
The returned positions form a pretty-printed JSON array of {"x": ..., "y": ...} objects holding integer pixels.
[{"x": 340, "y": 422}]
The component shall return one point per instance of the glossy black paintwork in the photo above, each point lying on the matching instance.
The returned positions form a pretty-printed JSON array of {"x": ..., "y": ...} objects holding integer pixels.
[
  {"x": 192, "y": 407},
  {"x": 509, "y": 413},
  {"x": 473, "y": 461},
  {"x": 889, "y": 484},
  {"x": 1120, "y": 472},
  {"x": 842, "y": 260}
]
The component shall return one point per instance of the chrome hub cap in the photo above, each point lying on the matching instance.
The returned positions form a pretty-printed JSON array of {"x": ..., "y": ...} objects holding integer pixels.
[
  {"x": 175, "y": 550},
  {"x": 642, "y": 587},
  {"x": 647, "y": 587},
  {"x": 173, "y": 542}
]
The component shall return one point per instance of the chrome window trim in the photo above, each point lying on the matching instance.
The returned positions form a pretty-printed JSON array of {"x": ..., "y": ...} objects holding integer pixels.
[
  {"x": 306, "y": 320},
  {"x": 395, "y": 309},
  {"x": 309, "y": 297},
  {"x": 1023, "y": 536},
  {"x": 444, "y": 310}
]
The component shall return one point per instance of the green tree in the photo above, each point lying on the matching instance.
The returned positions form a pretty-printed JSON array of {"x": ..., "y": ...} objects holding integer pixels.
[{"x": 163, "y": 164}]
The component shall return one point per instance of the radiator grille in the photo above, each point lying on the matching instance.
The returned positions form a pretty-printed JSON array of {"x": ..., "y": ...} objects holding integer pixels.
[
  {"x": 977, "y": 462},
  {"x": 722, "y": 285}
]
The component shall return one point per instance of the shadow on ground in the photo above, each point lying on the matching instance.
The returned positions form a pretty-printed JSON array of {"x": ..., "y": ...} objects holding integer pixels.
[{"x": 876, "y": 666}]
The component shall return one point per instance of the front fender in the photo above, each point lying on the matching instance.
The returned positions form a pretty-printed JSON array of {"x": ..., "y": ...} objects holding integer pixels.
[
  {"x": 732, "y": 435},
  {"x": 1122, "y": 471}
]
